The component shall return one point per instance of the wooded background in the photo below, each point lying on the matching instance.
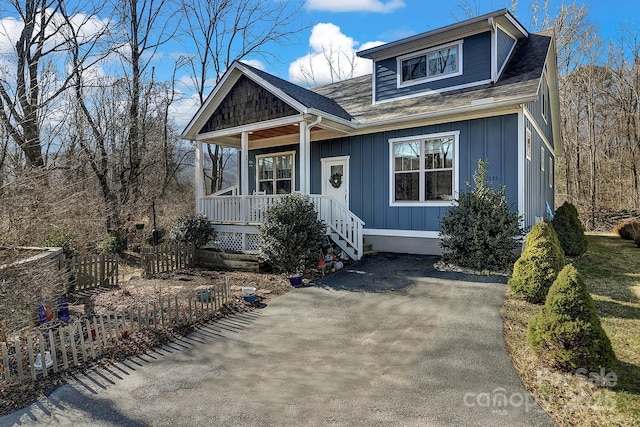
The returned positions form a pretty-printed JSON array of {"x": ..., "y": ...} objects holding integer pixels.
[{"x": 87, "y": 139}]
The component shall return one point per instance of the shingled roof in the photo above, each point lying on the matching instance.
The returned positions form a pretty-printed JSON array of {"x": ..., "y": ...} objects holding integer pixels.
[
  {"x": 304, "y": 96},
  {"x": 519, "y": 80}
]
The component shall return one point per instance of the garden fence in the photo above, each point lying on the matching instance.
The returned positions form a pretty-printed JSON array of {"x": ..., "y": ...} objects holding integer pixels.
[
  {"x": 168, "y": 258},
  {"x": 94, "y": 270},
  {"x": 57, "y": 347}
]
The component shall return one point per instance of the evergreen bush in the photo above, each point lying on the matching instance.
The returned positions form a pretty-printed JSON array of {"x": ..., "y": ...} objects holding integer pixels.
[
  {"x": 192, "y": 228},
  {"x": 538, "y": 265},
  {"x": 566, "y": 332},
  {"x": 480, "y": 231},
  {"x": 291, "y": 236},
  {"x": 570, "y": 230}
]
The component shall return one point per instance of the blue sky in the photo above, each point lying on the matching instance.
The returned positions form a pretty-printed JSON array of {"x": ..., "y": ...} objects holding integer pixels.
[
  {"x": 366, "y": 21},
  {"x": 342, "y": 27}
]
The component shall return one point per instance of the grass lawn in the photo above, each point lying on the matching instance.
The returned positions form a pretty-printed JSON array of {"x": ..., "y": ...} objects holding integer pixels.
[{"x": 611, "y": 269}]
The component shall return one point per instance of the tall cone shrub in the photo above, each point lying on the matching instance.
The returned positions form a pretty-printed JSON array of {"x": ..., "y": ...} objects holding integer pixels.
[
  {"x": 538, "y": 265},
  {"x": 566, "y": 333},
  {"x": 480, "y": 231},
  {"x": 570, "y": 230}
]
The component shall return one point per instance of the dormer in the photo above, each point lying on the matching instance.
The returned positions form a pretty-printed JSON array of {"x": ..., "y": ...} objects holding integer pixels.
[{"x": 462, "y": 55}]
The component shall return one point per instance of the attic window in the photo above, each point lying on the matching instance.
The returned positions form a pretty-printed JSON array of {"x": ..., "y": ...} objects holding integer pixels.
[{"x": 431, "y": 64}]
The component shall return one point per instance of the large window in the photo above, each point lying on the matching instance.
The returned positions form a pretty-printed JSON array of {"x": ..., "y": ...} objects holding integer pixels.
[
  {"x": 423, "y": 168},
  {"x": 432, "y": 64},
  {"x": 275, "y": 173}
]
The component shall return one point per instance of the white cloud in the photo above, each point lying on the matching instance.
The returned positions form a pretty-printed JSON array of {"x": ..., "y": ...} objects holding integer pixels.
[
  {"x": 254, "y": 63},
  {"x": 355, "y": 5},
  {"x": 332, "y": 58}
]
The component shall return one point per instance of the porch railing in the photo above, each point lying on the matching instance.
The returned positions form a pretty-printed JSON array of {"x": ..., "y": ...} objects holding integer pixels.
[{"x": 250, "y": 210}]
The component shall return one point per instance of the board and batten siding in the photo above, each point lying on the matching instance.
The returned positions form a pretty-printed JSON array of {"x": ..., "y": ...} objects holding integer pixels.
[
  {"x": 476, "y": 67},
  {"x": 537, "y": 187},
  {"x": 535, "y": 109},
  {"x": 494, "y": 138},
  {"x": 505, "y": 44}
]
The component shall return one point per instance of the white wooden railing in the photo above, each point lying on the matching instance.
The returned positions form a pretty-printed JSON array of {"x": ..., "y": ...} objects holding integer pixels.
[{"x": 250, "y": 210}]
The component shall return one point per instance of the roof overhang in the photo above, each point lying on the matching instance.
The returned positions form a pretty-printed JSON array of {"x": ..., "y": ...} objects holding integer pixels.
[
  {"x": 226, "y": 83},
  {"x": 448, "y": 33}
]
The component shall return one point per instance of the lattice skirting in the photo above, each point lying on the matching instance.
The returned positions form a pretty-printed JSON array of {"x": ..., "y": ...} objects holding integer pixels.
[{"x": 241, "y": 239}]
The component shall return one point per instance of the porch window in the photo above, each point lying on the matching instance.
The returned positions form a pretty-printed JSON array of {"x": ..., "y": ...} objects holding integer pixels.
[
  {"x": 275, "y": 173},
  {"x": 431, "y": 64},
  {"x": 423, "y": 168}
]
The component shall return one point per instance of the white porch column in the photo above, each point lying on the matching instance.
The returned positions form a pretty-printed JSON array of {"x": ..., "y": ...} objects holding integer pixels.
[
  {"x": 305, "y": 158},
  {"x": 244, "y": 173},
  {"x": 199, "y": 165}
]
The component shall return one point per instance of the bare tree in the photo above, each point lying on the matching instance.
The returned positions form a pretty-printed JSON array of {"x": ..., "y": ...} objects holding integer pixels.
[
  {"x": 35, "y": 67},
  {"x": 227, "y": 30}
]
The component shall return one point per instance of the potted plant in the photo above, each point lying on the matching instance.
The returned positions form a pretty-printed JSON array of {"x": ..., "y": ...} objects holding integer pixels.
[{"x": 291, "y": 236}]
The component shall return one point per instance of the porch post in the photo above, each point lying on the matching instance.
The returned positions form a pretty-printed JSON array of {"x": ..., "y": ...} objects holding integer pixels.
[
  {"x": 305, "y": 162},
  {"x": 199, "y": 165},
  {"x": 244, "y": 173}
]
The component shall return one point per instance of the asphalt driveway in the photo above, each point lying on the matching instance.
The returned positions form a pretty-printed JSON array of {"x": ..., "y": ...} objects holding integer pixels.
[{"x": 388, "y": 342}]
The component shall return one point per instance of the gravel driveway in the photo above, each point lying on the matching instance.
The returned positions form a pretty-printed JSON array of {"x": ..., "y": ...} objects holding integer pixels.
[{"x": 387, "y": 342}]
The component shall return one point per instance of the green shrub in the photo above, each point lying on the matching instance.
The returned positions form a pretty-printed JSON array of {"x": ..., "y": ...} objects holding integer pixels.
[
  {"x": 61, "y": 238},
  {"x": 481, "y": 230},
  {"x": 108, "y": 245},
  {"x": 566, "y": 333},
  {"x": 538, "y": 265},
  {"x": 192, "y": 228},
  {"x": 570, "y": 230},
  {"x": 292, "y": 235}
]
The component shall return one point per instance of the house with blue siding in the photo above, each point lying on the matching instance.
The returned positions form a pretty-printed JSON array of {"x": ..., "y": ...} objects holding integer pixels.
[{"x": 383, "y": 156}]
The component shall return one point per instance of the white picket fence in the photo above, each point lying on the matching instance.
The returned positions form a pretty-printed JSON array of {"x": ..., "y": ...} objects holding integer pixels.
[{"x": 58, "y": 347}]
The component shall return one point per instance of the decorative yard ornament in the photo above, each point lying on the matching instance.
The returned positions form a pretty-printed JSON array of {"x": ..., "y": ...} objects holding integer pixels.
[{"x": 336, "y": 180}]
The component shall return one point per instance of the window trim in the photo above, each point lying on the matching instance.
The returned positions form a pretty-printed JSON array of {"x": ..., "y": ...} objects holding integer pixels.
[
  {"x": 425, "y": 52},
  {"x": 528, "y": 141},
  {"x": 542, "y": 158},
  {"x": 455, "y": 170},
  {"x": 278, "y": 154},
  {"x": 551, "y": 177}
]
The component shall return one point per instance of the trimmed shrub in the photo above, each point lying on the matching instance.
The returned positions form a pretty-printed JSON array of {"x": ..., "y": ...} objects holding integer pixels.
[
  {"x": 193, "y": 228},
  {"x": 570, "y": 230},
  {"x": 61, "y": 238},
  {"x": 291, "y": 236},
  {"x": 538, "y": 265},
  {"x": 481, "y": 230},
  {"x": 566, "y": 333}
]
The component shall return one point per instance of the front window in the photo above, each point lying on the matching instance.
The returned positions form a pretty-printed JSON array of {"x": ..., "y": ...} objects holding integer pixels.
[
  {"x": 423, "y": 168},
  {"x": 275, "y": 173},
  {"x": 443, "y": 61}
]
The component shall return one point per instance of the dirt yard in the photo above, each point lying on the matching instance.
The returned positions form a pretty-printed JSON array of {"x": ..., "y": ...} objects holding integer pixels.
[{"x": 137, "y": 291}]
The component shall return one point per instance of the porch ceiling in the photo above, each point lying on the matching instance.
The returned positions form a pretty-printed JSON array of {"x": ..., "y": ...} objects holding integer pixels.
[{"x": 271, "y": 136}]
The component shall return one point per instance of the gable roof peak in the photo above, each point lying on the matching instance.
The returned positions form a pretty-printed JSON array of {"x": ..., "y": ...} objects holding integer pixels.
[{"x": 448, "y": 32}]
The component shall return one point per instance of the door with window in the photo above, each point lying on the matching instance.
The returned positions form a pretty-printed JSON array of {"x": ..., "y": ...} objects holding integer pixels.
[{"x": 335, "y": 179}]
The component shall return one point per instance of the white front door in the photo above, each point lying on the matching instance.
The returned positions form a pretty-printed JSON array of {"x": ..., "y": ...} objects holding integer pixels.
[{"x": 335, "y": 179}]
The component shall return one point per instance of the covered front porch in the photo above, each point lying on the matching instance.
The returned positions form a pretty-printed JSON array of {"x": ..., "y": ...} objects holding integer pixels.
[
  {"x": 272, "y": 131},
  {"x": 236, "y": 218}
]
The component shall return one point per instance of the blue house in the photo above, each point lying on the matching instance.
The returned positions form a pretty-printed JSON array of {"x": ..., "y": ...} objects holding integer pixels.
[{"x": 383, "y": 156}]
